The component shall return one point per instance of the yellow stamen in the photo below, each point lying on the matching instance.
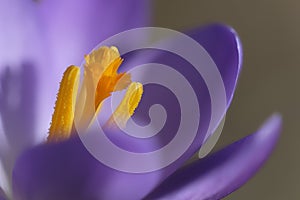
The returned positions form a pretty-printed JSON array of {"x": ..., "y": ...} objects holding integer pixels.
[
  {"x": 127, "y": 106},
  {"x": 100, "y": 79},
  {"x": 62, "y": 119}
]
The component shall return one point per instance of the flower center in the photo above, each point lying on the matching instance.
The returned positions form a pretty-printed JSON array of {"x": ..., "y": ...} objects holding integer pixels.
[{"x": 100, "y": 79}]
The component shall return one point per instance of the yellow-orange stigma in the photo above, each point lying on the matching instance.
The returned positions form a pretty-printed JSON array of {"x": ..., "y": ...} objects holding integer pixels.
[
  {"x": 100, "y": 79},
  {"x": 111, "y": 81}
]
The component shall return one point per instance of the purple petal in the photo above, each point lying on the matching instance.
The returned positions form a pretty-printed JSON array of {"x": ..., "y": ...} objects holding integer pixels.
[
  {"x": 224, "y": 46},
  {"x": 68, "y": 171},
  {"x": 2, "y": 195},
  {"x": 225, "y": 171}
]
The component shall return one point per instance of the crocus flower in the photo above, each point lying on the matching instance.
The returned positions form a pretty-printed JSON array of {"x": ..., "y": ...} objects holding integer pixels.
[
  {"x": 65, "y": 169},
  {"x": 38, "y": 40}
]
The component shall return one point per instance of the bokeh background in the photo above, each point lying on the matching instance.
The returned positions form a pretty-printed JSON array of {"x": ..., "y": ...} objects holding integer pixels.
[{"x": 269, "y": 82}]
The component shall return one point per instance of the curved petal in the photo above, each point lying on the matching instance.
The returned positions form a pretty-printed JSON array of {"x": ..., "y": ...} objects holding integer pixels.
[
  {"x": 65, "y": 170},
  {"x": 224, "y": 46},
  {"x": 225, "y": 171}
]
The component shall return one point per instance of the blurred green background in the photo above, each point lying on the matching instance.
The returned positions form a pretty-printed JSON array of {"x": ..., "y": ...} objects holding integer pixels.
[{"x": 269, "y": 82}]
